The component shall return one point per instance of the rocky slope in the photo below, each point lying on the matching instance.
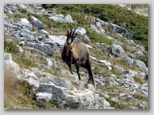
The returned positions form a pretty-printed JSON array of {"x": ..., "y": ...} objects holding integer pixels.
[{"x": 36, "y": 78}]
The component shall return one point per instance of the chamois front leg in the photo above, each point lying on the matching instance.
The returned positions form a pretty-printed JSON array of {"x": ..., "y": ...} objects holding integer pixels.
[
  {"x": 77, "y": 69},
  {"x": 70, "y": 67},
  {"x": 69, "y": 62}
]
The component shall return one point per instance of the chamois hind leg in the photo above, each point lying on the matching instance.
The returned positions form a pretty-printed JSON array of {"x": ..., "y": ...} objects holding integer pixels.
[{"x": 91, "y": 79}]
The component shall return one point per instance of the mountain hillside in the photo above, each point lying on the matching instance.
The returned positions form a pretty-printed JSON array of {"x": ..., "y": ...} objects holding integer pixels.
[{"x": 35, "y": 76}]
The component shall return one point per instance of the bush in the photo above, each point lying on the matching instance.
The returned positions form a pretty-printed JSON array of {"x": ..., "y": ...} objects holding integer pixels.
[
  {"x": 63, "y": 25},
  {"x": 10, "y": 47},
  {"x": 96, "y": 37},
  {"x": 116, "y": 104}
]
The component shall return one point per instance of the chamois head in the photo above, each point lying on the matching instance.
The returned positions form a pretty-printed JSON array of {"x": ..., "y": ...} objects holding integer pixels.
[{"x": 70, "y": 36}]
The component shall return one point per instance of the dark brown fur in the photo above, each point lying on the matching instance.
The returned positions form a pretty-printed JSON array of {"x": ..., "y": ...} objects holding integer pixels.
[{"x": 77, "y": 54}]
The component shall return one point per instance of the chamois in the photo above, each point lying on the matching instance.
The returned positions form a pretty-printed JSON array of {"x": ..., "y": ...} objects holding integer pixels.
[{"x": 77, "y": 54}]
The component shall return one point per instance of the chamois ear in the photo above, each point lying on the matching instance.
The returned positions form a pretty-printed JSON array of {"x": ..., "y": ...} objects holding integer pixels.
[{"x": 67, "y": 34}]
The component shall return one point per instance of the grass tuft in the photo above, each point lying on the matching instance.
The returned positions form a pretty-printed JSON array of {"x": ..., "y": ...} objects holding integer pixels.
[
  {"x": 10, "y": 46},
  {"x": 96, "y": 37}
]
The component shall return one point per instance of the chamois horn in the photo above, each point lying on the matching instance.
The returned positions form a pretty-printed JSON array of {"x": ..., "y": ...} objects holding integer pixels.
[
  {"x": 74, "y": 31},
  {"x": 70, "y": 32}
]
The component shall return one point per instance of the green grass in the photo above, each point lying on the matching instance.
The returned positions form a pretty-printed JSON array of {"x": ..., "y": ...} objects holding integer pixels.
[
  {"x": 135, "y": 23},
  {"x": 11, "y": 16},
  {"x": 24, "y": 60},
  {"x": 63, "y": 26},
  {"x": 96, "y": 37},
  {"x": 24, "y": 98},
  {"x": 139, "y": 96},
  {"x": 116, "y": 105},
  {"x": 21, "y": 10},
  {"x": 139, "y": 79},
  {"x": 10, "y": 46}
]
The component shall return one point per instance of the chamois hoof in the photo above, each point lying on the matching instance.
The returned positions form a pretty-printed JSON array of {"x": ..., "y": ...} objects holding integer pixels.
[
  {"x": 88, "y": 84},
  {"x": 89, "y": 81},
  {"x": 71, "y": 72}
]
